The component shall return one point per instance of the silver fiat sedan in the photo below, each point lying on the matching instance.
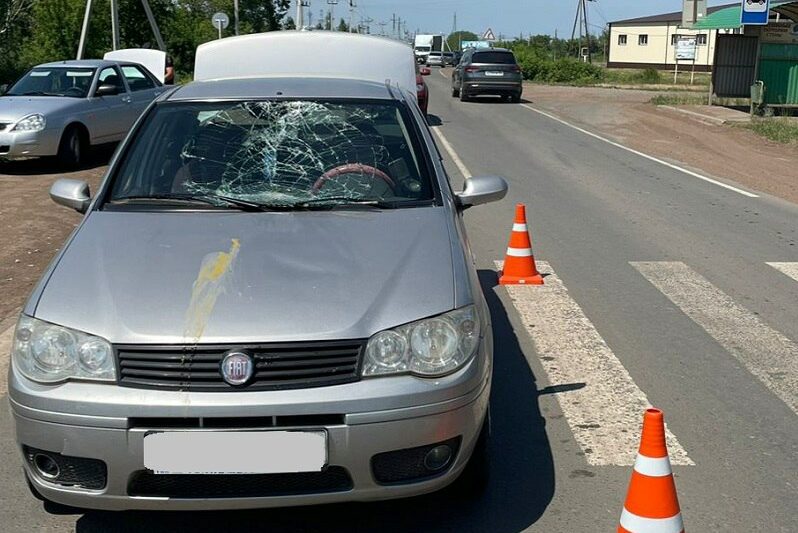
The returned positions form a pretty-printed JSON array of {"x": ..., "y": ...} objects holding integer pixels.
[{"x": 270, "y": 301}]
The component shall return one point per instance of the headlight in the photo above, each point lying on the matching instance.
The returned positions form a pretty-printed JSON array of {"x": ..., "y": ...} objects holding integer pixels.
[
  {"x": 31, "y": 123},
  {"x": 48, "y": 353},
  {"x": 429, "y": 348}
]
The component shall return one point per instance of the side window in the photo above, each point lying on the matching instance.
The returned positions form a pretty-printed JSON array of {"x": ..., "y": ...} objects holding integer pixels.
[
  {"x": 136, "y": 79},
  {"x": 622, "y": 40},
  {"x": 642, "y": 40},
  {"x": 110, "y": 76}
]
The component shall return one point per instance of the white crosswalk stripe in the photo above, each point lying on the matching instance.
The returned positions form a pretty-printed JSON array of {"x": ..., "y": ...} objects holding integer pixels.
[
  {"x": 789, "y": 269},
  {"x": 765, "y": 352},
  {"x": 606, "y": 412}
]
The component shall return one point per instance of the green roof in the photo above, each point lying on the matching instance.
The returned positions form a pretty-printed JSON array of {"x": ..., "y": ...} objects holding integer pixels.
[{"x": 729, "y": 18}]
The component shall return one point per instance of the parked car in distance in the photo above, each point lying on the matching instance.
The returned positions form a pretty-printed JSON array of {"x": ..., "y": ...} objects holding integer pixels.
[
  {"x": 271, "y": 300},
  {"x": 421, "y": 87},
  {"x": 62, "y": 109},
  {"x": 435, "y": 59},
  {"x": 491, "y": 71},
  {"x": 448, "y": 59}
]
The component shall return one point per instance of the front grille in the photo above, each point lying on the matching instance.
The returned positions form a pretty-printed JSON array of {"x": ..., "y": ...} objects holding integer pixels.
[
  {"x": 76, "y": 472},
  {"x": 277, "y": 366},
  {"x": 145, "y": 483},
  {"x": 285, "y": 421}
]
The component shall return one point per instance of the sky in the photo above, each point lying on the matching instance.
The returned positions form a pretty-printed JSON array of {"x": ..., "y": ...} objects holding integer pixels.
[{"x": 507, "y": 17}]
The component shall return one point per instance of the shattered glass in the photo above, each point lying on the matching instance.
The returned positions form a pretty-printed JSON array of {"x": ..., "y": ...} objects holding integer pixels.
[{"x": 276, "y": 153}]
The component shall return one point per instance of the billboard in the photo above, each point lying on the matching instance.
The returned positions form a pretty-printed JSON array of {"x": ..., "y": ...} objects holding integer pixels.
[{"x": 685, "y": 48}]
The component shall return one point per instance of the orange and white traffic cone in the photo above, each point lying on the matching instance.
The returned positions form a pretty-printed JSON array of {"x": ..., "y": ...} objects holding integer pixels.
[
  {"x": 519, "y": 263},
  {"x": 651, "y": 503}
]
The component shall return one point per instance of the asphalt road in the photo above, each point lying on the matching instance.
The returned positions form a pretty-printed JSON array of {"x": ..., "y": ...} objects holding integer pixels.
[{"x": 658, "y": 290}]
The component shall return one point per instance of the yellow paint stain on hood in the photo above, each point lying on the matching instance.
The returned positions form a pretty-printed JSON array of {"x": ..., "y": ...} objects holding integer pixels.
[{"x": 210, "y": 283}]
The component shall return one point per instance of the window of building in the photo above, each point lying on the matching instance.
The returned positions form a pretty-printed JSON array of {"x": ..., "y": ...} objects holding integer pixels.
[
  {"x": 622, "y": 40},
  {"x": 701, "y": 40},
  {"x": 674, "y": 38},
  {"x": 642, "y": 40}
]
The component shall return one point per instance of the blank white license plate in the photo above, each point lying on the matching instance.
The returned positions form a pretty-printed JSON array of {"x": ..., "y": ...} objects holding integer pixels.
[
  {"x": 494, "y": 73},
  {"x": 235, "y": 452}
]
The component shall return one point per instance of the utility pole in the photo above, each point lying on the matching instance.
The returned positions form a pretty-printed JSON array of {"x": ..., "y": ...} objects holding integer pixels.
[
  {"x": 368, "y": 22},
  {"x": 351, "y": 14},
  {"x": 300, "y": 14},
  {"x": 114, "y": 25},
  {"x": 235, "y": 16},
  {"x": 332, "y": 4},
  {"x": 580, "y": 21}
]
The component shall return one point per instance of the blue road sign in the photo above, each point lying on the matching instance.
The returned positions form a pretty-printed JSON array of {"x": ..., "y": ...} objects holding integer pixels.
[{"x": 755, "y": 12}]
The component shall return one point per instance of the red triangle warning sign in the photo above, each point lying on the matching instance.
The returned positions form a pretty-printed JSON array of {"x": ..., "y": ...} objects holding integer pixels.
[{"x": 488, "y": 35}]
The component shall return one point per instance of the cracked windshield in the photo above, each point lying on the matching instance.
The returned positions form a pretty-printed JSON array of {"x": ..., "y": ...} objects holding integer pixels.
[{"x": 275, "y": 154}]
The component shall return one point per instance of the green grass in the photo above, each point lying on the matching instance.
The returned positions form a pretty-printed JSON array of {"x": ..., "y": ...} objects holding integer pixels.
[
  {"x": 778, "y": 130},
  {"x": 651, "y": 76}
]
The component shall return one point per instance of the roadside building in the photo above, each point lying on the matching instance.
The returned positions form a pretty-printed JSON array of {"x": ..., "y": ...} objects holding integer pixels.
[{"x": 650, "y": 42}]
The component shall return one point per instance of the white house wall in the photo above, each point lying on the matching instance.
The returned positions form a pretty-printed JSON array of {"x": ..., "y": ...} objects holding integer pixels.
[{"x": 659, "y": 52}]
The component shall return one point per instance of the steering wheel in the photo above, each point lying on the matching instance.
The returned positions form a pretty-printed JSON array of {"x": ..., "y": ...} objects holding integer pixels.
[
  {"x": 77, "y": 90},
  {"x": 353, "y": 168}
]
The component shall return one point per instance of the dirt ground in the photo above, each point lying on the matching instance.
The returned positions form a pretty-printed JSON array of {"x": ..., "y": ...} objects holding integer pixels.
[
  {"x": 726, "y": 152},
  {"x": 32, "y": 227}
]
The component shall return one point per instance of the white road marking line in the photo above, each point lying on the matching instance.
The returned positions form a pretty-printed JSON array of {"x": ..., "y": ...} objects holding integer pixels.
[
  {"x": 5, "y": 355},
  {"x": 442, "y": 73},
  {"x": 605, "y": 413},
  {"x": 789, "y": 269},
  {"x": 456, "y": 158},
  {"x": 765, "y": 352},
  {"x": 646, "y": 156}
]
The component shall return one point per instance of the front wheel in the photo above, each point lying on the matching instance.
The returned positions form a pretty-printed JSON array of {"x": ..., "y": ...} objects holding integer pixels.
[
  {"x": 463, "y": 96},
  {"x": 72, "y": 148},
  {"x": 455, "y": 92}
]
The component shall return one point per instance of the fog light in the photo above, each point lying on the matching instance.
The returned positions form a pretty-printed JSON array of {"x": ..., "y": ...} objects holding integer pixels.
[
  {"x": 46, "y": 466},
  {"x": 438, "y": 457}
]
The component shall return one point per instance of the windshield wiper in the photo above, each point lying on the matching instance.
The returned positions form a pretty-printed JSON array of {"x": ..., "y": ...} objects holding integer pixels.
[
  {"x": 212, "y": 200},
  {"x": 344, "y": 201}
]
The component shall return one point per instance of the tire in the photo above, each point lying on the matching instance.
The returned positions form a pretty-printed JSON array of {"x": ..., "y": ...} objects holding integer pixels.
[
  {"x": 474, "y": 479},
  {"x": 516, "y": 98},
  {"x": 455, "y": 92},
  {"x": 72, "y": 148},
  {"x": 463, "y": 96}
]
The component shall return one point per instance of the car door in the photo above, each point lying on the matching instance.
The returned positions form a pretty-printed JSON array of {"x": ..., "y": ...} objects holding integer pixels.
[
  {"x": 112, "y": 112},
  {"x": 143, "y": 89}
]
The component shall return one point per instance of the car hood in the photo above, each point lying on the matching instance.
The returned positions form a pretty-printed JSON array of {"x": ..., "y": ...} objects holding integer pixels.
[
  {"x": 13, "y": 108},
  {"x": 210, "y": 277}
]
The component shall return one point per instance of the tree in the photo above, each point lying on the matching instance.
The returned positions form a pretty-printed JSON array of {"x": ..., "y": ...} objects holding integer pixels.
[
  {"x": 343, "y": 26},
  {"x": 454, "y": 39},
  {"x": 289, "y": 24}
]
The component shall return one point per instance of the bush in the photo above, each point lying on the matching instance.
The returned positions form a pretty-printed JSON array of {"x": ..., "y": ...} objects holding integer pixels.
[
  {"x": 650, "y": 75},
  {"x": 566, "y": 70}
]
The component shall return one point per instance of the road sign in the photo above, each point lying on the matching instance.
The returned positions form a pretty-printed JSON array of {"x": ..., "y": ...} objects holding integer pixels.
[
  {"x": 685, "y": 48},
  {"x": 488, "y": 35},
  {"x": 220, "y": 21},
  {"x": 755, "y": 12}
]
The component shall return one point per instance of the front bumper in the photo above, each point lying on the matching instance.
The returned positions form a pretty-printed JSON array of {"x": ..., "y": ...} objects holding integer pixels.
[
  {"x": 108, "y": 423},
  {"x": 23, "y": 144},
  {"x": 350, "y": 446}
]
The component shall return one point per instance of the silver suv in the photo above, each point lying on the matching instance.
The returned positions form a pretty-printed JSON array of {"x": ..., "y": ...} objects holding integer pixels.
[{"x": 270, "y": 301}]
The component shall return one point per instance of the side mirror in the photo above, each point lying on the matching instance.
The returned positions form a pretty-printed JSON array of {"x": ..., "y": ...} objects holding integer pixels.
[
  {"x": 3, "y": 89},
  {"x": 481, "y": 190},
  {"x": 71, "y": 193},
  {"x": 106, "y": 90},
  {"x": 425, "y": 71}
]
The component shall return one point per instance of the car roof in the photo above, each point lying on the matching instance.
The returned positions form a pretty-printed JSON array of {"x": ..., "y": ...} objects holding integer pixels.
[
  {"x": 477, "y": 50},
  {"x": 283, "y": 87},
  {"x": 83, "y": 63}
]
